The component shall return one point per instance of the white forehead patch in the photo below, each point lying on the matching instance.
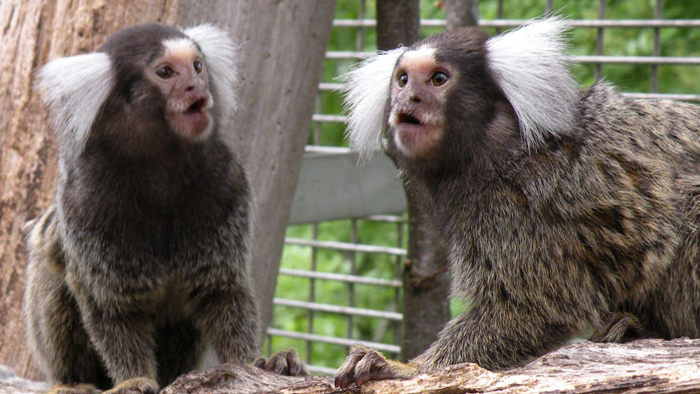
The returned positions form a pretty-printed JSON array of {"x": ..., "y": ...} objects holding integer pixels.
[
  {"x": 420, "y": 61},
  {"x": 420, "y": 55},
  {"x": 181, "y": 47}
]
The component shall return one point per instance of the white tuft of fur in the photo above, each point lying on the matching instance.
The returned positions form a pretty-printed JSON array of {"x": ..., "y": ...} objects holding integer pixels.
[
  {"x": 219, "y": 52},
  {"x": 74, "y": 90},
  {"x": 180, "y": 45},
  {"x": 366, "y": 91},
  {"x": 531, "y": 69}
]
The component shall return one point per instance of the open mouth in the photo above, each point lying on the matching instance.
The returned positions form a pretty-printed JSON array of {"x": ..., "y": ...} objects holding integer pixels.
[
  {"x": 416, "y": 134},
  {"x": 197, "y": 106},
  {"x": 406, "y": 118},
  {"x": 193, "y": 121}
]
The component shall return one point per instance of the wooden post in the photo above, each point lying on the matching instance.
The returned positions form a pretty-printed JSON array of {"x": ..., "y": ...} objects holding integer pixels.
[{"x": 282, "y": 48}]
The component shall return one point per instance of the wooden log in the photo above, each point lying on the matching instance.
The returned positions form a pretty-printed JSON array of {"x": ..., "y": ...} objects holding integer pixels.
[{"x": 645, "y": 366}]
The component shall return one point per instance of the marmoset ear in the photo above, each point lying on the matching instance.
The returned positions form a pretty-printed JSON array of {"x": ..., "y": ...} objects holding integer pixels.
[
  {"x": 220, "y": 55},
  {"x": 74, "y": 89},
  {"x": 366, "y": 91},
  {"x": 530, "y": 67}
]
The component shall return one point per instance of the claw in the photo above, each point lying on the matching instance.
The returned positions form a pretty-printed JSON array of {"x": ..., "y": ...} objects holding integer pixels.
[
  {"x": 285, "y": 362},
  {"x": 296, "y": 365},
  {"x": 260, "y": 363},
  {"x": 135, "y": 386},
  {"x": 363, "y": 365}
]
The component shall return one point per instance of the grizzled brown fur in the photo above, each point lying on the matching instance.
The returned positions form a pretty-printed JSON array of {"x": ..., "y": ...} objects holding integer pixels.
[
  {"x": 591, "y": 224},
  {"x": 549, "y": 242}
]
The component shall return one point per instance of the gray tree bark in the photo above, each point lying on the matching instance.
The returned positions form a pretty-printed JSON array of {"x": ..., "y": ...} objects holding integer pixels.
[
  {"x": 426, "y": 282},
  {"x": 460, "y": 13},
  {"x": 282, "y": 49}
]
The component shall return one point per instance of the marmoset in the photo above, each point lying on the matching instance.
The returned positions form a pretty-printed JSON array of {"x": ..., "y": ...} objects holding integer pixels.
[
  {"x": 562, "y": 208},
  {"x": 140, "y": 268}
]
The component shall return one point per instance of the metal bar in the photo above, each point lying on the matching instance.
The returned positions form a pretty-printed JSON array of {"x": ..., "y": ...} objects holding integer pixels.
[
  {"x": 386, "y": 218},
  {"x": 360, "y": 34},
  {"x": 505, "y": 23},
  {"x": 499, "y": 14},
  {"x": 269, "y": 345},
  {"x": 662, "y": 96},
  {"x": 670, "y": 96},
  {"x": 329, "y": 86},
  {"x": 316, "y": 370},
  {"x": 328, "y": 118},
  {"x": 337, "y": 309},
  {"x": 668, "y": 60},
  {"x": 327, "y": 150},
  {"x": 345, "y": 246},
  {"x": 384, "y": 347},
  {"x": 600, "y": 40},
  {"x": 656, "y": 50},
  {"x": 593, "y": 23},
  {"x": 312, "y": 295},
  {"x": 353, "y": 271},
  {"x": 549, "y": 7},
  {"x": 398, "y": 270},
  {"x": 360, "y": 280},
  {"x": 348, "y": 54}
]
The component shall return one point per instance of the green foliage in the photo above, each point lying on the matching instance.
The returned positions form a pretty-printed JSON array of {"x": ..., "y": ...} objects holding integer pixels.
[{"x": 632, "y": 78}]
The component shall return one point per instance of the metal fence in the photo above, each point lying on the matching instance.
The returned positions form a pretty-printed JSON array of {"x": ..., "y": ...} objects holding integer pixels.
[{"x": 389, "y": 318}]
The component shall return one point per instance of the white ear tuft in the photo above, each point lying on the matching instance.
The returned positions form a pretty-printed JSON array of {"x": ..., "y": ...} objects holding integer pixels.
[
  {"x": 530, "y": 67},
  {"x": 74, "y": 90},
  {"x": 220, "y": 55},
  {"x": 366, "y": 90}
]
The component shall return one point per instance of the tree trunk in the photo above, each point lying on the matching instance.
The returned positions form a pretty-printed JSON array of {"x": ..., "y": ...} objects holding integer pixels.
[
  {"x": 460, "y": 13},
  {"x": 282, "y": 48},
  {"x": 426, "y": 282},
  {"x": 398, "y": 23}
]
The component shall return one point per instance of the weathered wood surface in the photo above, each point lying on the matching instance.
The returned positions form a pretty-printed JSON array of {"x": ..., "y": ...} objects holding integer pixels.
[
  {"x": 11, "y": 383},
  {"x": 645, "y": 366}
]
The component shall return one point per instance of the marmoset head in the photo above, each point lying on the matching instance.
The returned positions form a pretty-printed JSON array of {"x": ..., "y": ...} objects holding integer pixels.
[
  {"x": 461, "y": 89},
  {"x": 148, "y": 83}
]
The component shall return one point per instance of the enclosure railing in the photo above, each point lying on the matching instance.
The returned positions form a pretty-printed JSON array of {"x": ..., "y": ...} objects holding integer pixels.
[{"x": 314, "y": 304}]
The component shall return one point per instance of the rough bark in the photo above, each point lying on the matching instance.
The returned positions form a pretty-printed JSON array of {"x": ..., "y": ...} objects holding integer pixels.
[
  {"x": 646, "y": 366},
  {"x": 276, "y": 97},
  {"x": 426, "y": 281},
  {"x": 398, "y": 23}
]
